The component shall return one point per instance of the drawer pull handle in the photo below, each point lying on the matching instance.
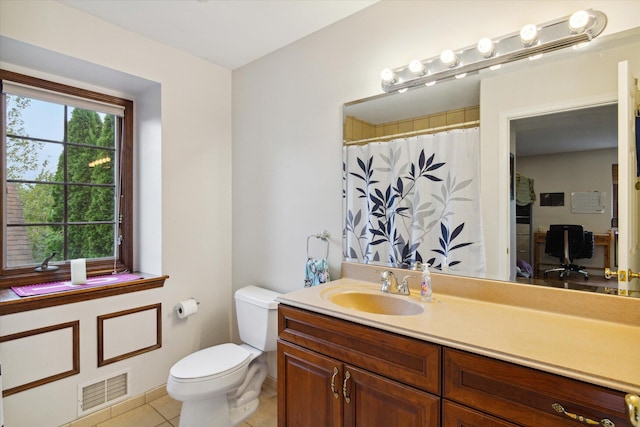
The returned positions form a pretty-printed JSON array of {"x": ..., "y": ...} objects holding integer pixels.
[
  {"x": 606, "y": 422},
  {"x": 333, "y": 383},
  {"x": 633, "y": 408},
  {"x": 345, "y": 392}
]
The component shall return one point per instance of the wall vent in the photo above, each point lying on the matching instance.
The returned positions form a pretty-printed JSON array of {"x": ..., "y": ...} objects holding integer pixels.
[{"x": 102, "y": 393}]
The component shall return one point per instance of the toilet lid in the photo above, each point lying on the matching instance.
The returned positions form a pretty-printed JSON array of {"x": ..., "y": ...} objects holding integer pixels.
[{"x": 212, "y": 361}]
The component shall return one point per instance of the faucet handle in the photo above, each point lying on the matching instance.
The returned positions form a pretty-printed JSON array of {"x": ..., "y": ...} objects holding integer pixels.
[
  {"x": 386, "y": 277},
  {"x": 404, "y": 287}
]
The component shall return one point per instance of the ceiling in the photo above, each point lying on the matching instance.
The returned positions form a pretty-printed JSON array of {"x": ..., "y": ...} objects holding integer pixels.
[
  {"x": 233, "y": 33},
  {"x": 584, "y": 129},
  {"x": 230, "y": 33}
]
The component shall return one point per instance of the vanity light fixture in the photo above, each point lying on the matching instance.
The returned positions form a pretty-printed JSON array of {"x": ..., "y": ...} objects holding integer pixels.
[
  {"x": 579, "y": 21},
  {"x": 449, "y": 58},
  {"x": 388, "y": 76},
  {"x": 530, "y": 42},
  {"x": 529, "y": 35},
  {"x": 486, "y": 47},
  {"x": 417, "y": 68}
]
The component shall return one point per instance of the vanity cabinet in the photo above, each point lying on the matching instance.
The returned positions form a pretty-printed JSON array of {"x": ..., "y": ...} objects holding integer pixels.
[
  {"x": 337, "y": 373},
  {"x": 526, "y": 396},
  {"x": 333, "y": 372}
]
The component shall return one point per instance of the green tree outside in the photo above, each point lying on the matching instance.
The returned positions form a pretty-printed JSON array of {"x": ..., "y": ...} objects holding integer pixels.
[{"x": 43, "y": 200}]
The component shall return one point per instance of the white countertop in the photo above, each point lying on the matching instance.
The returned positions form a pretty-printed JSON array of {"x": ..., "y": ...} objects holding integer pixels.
[{"x": 588, "y": 348}]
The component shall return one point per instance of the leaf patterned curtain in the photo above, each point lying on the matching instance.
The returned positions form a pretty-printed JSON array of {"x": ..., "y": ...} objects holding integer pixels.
[{"x": 415, "y": 199}]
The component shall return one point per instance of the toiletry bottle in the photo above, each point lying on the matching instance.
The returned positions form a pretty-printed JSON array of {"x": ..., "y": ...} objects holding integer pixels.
[{"x": 425, "y": 284}]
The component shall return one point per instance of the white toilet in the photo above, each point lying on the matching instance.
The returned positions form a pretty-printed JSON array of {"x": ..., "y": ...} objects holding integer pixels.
[{"x": 220, "y": 386}]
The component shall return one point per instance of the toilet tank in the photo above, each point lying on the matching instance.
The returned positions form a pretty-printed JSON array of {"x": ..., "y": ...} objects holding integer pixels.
[{"x": 257, "y": 312}]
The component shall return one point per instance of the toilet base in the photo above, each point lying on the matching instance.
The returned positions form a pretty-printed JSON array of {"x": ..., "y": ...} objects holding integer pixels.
[
  {"x": 240, "y": 414},
  {"x": 205, "y": 413}
]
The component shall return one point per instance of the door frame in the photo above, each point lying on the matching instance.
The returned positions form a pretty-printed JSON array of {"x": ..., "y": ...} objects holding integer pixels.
[{"x": 506, "y": 207}]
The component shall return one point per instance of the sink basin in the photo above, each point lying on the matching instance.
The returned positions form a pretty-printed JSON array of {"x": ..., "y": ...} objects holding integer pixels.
[{"x": 377, "y": 303}]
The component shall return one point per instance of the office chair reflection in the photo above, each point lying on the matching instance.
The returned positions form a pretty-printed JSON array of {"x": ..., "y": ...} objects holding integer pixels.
[{"x": 568, "y": 243}]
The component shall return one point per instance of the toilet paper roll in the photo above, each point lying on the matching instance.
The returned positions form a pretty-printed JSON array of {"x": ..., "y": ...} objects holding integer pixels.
[
  {"x": 186, "y": 308},
  {"x": 78, "y": 271}
]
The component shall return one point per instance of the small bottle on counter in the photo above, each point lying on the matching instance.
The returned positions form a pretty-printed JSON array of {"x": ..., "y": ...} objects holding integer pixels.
[{"x": 425, "y": 284}]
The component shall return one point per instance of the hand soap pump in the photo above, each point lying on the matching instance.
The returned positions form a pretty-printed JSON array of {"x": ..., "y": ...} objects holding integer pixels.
[{"x": 425, "y": 284}]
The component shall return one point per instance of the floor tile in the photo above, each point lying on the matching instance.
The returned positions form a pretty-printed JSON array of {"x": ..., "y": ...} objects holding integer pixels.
[
  {"x": 267, "y": 413},
  {"x": 144, "y": 416},
  {"x": 156, "y": 393},
  {"x": 127, "y": 405},
  {"x": 92, "y": 419},
  {"x": 167, "y": 407}
]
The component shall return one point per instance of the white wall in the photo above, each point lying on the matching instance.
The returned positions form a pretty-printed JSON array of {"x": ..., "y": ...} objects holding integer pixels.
[
  {"x": 183, "y": 161},
  {"x": 287, "y": 120}
]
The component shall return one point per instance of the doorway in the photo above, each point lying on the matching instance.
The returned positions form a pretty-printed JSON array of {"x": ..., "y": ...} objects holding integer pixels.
[{"x": 557, "y": 157}]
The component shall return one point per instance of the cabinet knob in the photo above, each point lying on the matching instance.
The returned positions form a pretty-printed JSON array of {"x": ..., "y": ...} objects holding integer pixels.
[
  {"x": 633, "y": 409},
  {"x": 333, "y": 383}
]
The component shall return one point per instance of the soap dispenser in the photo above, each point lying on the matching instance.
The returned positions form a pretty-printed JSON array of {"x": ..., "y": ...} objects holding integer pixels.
[{"x": 425, "y": 284}]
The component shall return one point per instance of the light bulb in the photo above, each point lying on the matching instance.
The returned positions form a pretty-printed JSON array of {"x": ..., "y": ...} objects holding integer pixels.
[
  {"x": 528, "y": 34},
  {"x": 486, "y": 47},
  {"x": 417, "y": 67},
  {"x": 388, "y": 76},
  {"x": 449, "y": 58},
  {"x": 579, "y": 21}
]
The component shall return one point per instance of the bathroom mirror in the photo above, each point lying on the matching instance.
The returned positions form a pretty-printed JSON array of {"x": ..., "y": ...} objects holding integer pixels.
[{"x": 521, "y": 110}]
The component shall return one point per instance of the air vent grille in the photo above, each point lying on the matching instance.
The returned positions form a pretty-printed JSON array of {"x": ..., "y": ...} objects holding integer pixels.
[
  {"x": 93, "y": 395},
  {"x": 102, "y": 393}
]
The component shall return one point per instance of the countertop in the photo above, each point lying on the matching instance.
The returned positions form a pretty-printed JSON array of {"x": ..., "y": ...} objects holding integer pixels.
[{"x": 593, "y": 347}]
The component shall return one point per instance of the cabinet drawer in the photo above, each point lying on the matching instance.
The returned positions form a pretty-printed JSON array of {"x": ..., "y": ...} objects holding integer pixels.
[
  {"x": 527, "y": 396},
  {"x": 454, "y": 415},
  {"x": 410, "y": 361}
]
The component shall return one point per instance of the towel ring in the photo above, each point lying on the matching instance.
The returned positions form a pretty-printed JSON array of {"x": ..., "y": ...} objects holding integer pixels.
[{"x": 322, "y": 236}]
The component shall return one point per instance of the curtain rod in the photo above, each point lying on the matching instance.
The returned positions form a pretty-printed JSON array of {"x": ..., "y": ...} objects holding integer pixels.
[{"x": 464, "y": 125}]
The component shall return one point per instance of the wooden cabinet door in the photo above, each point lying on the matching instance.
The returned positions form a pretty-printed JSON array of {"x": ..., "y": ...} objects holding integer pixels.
[
  {"x": 374, "y": 401},
  {"x": 305, "y": 396},
  {"x": 454, "y": 415}
]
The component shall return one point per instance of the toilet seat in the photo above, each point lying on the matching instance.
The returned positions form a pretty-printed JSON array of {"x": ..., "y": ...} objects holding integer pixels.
[{"x": 211, "y": 363}]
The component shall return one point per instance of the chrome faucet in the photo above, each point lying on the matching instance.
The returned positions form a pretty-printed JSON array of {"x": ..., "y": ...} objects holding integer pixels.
[{"x": 390, "y": 284}]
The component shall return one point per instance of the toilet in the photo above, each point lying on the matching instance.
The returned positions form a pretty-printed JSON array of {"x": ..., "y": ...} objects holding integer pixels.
[{"x": 220, "y": 385}]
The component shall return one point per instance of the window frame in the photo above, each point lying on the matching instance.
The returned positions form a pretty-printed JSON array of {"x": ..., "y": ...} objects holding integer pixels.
[{"x": 13, "y": 276}]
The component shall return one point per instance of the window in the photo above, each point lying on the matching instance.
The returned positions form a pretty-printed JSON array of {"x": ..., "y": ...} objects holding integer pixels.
[{"x": 67, "y": 175}]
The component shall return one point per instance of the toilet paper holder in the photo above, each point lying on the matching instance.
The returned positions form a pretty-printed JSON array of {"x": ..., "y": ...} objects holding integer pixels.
[
  {"x": 175, "y": 307},
  {"x": 182, "y": 308}
]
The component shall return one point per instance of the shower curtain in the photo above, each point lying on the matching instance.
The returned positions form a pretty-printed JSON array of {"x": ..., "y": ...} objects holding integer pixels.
[{"x": 415, "y": 199}]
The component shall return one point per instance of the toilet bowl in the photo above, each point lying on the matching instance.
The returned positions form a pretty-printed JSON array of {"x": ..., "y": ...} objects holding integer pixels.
[{"x": 220, "y": 385}]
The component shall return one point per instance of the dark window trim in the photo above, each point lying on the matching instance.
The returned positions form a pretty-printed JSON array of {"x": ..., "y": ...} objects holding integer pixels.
[
  {"x": 23, "y": 276},
  {"x": 11, "y": 303}
]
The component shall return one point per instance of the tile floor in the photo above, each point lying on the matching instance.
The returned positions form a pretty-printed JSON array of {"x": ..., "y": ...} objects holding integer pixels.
[{"x": 163, "y": 411}]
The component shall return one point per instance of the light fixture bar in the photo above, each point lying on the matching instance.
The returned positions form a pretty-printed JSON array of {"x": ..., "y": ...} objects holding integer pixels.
[{"x": 551, "y": 36}]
